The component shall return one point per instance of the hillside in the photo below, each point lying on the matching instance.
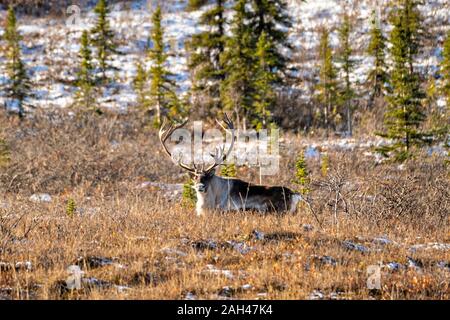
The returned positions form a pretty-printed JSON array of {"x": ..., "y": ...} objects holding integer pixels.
[{"x": 51, "y": 44}]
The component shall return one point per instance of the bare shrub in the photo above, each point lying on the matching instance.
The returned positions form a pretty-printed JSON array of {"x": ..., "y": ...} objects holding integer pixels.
[
  {"x": 53, "y": 152},
  {"x": 14, "y": 228}
]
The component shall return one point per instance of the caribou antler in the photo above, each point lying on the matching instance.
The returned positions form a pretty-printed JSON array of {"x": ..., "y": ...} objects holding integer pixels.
[
  {"x": 220, "y": 155},
  {"x": 164, "y": 134}
]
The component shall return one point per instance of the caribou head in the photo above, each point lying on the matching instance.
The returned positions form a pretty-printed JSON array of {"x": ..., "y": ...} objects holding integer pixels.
[{"x": 201, "y": 174}]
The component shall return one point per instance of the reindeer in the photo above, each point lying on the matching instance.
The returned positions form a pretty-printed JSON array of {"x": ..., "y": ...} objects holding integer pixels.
[{"x": 216, "y": 193}]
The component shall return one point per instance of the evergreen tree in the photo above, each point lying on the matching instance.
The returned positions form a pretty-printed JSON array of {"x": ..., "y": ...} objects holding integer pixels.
[
  {"x": 18, "y": 85},
  {"x": 4, "y": 153},
  {"x": 228, "y": 170},
  {"x": 71, "y": 207},
  {"x": 189, "y": 195},
  {"x": 431, "y": 93},
  {"x": 140, "y": 86},
  {"x": 265, "y": 79},
  {"x": 437, "y": 118},
  {"x": 271, "y": 17},
  {"x": 445, "y": 70},
  {"x": 442, "y": 117},
  {"x": 405, "y": 111},
  {"x": 324, "y": 165},
  {"x": 206, "y": 48},
  {"x": 302, "y": 174},
  {"x": 327, "y": 86},
  {"x": 409, "y": 22},
  {"x": 378, "y": 76},
  {"x": 86, "y": 93},
  {"x": 347, "y": 66},
  {"x": 103, "y": 39},
  {"x": 253, "y": 61},
  {"x": 162, "y": 88},
  {"x": 238, "y": 87},
  {"x": 196, "y": 4}
]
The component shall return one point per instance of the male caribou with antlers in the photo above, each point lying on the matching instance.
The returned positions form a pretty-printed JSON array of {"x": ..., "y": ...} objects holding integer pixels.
[{"x": 216, "y": 193}]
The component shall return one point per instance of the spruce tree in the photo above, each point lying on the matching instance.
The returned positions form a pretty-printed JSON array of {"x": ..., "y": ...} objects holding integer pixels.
[
  {"x": 228, "y": 170},
  {"x": 71, "y": 208},
  {"x": 271, "y": 17},
  {"x": 18, "y": 84},
  {"x": 253, "y": 60},
  {"x": 438, "y": 120},
  {"x": 442, "y": 122},
  {"x": 445, "y": 69},
  {"x": 196, "y": 4},
  {"x": 4, "y": 153},
  {"x": 378, "y": 75},
  {"x": 265, "y": 79},
  {"x": 238, "y": 87},
  {"x": 405, "y": 111},
  {"x": 162, "y": 87},
  {"x": 103, "y": 39},
  {"x": 188, "y": 194},
  {"x": 431, "y": 93},
  {"x": 327, "y": 86},
  {"x": 302, "y": 178},
  {"x": 347, "y": 65},
  {"x": 205, "y": 51},
  {"x": 140, "y": 86},
  {"x": 410, "y": 22},
  {"x": 324, "y": 165},
  {"x": 86, "y": 93}
]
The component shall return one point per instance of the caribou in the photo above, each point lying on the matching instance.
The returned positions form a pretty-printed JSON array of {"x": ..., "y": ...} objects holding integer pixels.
[{"x": 215, "y": 193}]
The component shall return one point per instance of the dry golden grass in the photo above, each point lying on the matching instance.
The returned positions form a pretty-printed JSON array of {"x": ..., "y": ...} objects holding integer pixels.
[{"x": 159, "y": 248}]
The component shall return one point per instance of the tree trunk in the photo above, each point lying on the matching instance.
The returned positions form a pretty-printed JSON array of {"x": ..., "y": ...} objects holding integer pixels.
[
  {"x": 349, "y": 120},
  {"x": 158, "y": 111},
  {"x": 327, "y": 124}
]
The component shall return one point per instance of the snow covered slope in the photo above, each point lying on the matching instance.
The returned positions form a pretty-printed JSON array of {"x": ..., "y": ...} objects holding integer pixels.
[{"x": 51, "y": 45}]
